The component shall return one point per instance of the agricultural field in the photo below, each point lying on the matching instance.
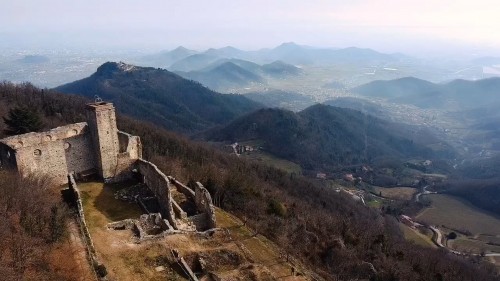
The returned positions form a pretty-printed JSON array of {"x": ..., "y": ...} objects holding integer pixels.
[
  {"x": 472, "y": 245},
  {"x": 418, "y": 238},
  {"x": 454, "y": 213},
  {"x": 396, "y": 193},
  {"x": 271, "y": 160}
]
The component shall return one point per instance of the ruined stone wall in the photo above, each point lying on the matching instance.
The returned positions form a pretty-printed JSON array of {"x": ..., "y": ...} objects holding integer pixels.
[
  {"x": 203, "y": 202},
  {"x": 92, "y": 258},
  {"x": 159, "y": 184},
  {"x": 130, "y": 149},
  {"x": 52, "y": 153},
  {"x": 79, "y": 153},
  {"x": 182, "y": 188},
  {"x": 102, "y": 124},
  {"x": 130, "y": 144}
]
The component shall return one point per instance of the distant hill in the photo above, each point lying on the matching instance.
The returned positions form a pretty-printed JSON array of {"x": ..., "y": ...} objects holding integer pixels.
[
  {"x": 457, "y": 94},
  {"x": 193, "y": 62},
  {"x": 226, "y": 52},
  {"x": 167, "y": 58},
  {"x": 325, "y": 137},
  {"x": 297, "y": 54},
  {"x": 161, "y": 96},
  {"x": 33, "y": 59},
  {"x": 280, "y": 69},
  {"x": 225, "y": 75},
  {"x": 282, "y": 99}
]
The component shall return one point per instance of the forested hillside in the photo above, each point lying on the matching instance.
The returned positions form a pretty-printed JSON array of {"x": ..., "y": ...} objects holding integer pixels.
[
  {"x": 339, "y": 238},
  {"x": 325, "y": 137},
  {"x": 161, "y": 97}
]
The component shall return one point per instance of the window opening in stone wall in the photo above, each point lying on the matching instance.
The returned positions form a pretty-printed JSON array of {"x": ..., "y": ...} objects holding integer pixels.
[
  {"x": 67, "y": 146},
  {"x": 48, "y": 138},
  {"x": 37, "y": 152}
]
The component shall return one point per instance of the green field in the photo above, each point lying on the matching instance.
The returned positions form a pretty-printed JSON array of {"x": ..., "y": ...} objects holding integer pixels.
[
  {"x": 396, "y": 193},
  {"x": 456, "y": 214}
]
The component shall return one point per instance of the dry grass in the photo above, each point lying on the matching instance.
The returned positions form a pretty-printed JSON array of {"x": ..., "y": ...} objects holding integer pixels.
[
  {"x": 467, "y": 244},
  {"x": 261, "y": 250},
  {"x": 417, "y": 237},
  {"x": 271, "y": 160},
  {"x": 123, "y": 259},
  {"x": 235, "y": 253},
  {"x": 396, "y": 193},
  {"x": 457, "y": 214}
]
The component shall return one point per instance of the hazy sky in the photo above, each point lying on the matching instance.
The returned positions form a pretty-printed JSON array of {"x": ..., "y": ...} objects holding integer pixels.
[{"x": 386, "y": 25}]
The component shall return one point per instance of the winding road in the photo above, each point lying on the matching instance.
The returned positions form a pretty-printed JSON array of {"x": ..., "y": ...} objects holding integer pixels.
[
  {"x": 424, "y": 192},
  {"x": 438, "y": 236}
]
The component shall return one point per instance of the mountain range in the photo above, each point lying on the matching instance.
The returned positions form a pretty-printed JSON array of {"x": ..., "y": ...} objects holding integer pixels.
[
  {"x": 225, "y": 74},
  {"x": 161, "y": 96},
  {"x": 182, "y": 59},
  {"x": 454, "y": 95}
]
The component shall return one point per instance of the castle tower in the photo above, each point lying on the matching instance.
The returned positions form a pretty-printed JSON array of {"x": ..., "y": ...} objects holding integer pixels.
[{"x": 101, "y": 120}]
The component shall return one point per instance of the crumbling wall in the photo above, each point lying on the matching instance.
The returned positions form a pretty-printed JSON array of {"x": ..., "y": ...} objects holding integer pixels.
[
  {"x": 78, "y": 153},
  {"x": 95, "y": 264},
  {"x": 203, "y": 202},
  {"x": 182, "y": 188},
  {"x": 53, "y": 153},
  {"x": 130, "y": 144},
  {"x": 159, "y": 184},
  {"x": 130, "y": 151}
]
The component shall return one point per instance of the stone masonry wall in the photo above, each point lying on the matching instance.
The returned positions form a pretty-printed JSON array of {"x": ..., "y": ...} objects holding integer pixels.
[
  {"x": 52, "y": 153},
  {"x": 182, "y": 188},
  {"x": 159, "y": 184},
  {"x": 203, "y": 202},
  {"x": 89, "y": 244},
  {"x": 130, "y": 150},
  {"x": 78, "y": 152}
]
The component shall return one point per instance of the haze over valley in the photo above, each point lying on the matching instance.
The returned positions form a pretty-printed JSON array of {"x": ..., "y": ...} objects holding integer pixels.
[{"x": 266, "y": 141}]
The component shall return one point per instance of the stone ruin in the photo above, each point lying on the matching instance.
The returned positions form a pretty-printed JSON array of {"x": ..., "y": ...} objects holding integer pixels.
[
  {"x": 98, "y": 148},
  {"x": 82, "y": 149}
]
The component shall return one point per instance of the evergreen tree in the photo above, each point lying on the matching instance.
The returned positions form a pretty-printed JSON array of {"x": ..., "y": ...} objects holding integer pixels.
[{"x": 22, "y": 120}]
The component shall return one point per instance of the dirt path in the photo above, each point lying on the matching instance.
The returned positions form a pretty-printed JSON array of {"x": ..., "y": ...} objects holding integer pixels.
[{"x": 79, "y": 252}]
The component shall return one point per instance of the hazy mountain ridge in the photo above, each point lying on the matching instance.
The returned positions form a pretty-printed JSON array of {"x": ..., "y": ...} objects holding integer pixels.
[
  {"x": 289, "y": 53},
  {"x": 225, "y": 75},
  {"x": 160, "y": 96},
  {"x": 455, "y": 95}
]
